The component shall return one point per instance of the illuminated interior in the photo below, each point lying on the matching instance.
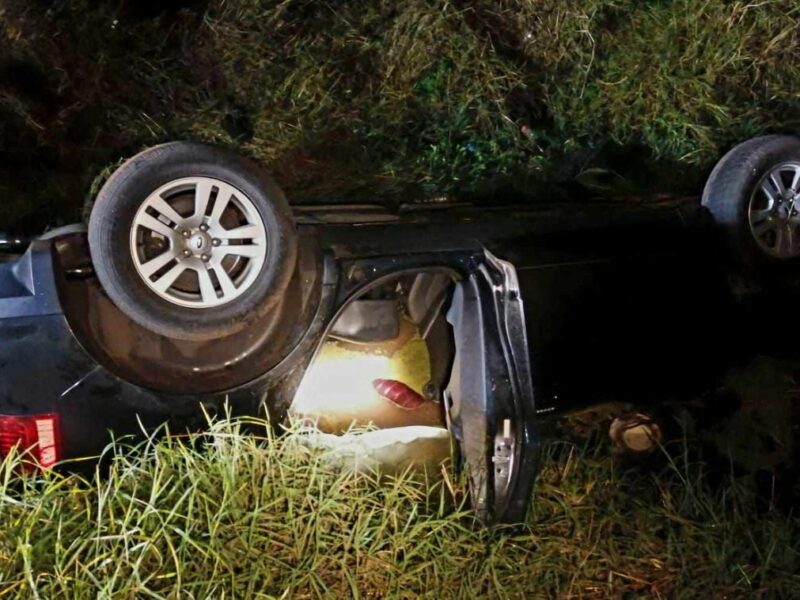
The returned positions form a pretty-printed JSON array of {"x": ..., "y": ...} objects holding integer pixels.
[{"x": 383, "y": 367}]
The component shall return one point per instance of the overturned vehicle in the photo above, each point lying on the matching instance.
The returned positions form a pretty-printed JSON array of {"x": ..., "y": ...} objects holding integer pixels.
[{"x": 196, "y": 287}]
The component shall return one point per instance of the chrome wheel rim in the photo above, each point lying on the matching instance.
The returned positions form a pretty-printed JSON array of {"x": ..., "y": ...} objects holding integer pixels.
[
  {"x": 774, "y": 211},
  {"x": 198, "y": 242}
]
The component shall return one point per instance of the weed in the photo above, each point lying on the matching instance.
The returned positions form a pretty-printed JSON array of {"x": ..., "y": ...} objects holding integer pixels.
[{"x": 247, "y": 516}]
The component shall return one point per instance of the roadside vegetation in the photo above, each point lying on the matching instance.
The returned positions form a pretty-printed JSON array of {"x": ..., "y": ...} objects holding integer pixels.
[
  {"x": 235, "y": 515},
  {"x": 380, "y": 100}
]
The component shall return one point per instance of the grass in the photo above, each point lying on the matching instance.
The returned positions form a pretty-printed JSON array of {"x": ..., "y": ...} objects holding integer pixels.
[
  {"x": 247, "y": 516},
  {"x": 530, "y": 99}
]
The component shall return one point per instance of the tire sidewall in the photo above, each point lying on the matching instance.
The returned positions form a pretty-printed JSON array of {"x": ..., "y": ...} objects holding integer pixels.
[
  {"x": 110, "y": 229},
  {"x": 728, "y": 193}
]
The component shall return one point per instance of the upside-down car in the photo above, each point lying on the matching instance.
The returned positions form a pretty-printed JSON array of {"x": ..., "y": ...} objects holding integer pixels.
[{"x": 196, "y": 284}]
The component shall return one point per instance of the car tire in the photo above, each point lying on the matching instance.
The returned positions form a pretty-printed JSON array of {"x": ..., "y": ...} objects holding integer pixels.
[
  {"x": 760, "y": 229},
  {"x": 193, "y": 210}
]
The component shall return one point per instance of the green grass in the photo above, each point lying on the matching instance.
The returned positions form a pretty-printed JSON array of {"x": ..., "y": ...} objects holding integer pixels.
[
  {"x": 389, "y": 101},
  {"x": 267, "y": 517}
]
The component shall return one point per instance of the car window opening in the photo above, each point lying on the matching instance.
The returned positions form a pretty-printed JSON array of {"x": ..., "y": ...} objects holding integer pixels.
[{"x": 380, "y": 373}]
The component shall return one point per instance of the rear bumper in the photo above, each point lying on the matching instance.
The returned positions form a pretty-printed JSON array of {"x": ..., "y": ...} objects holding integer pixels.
[{"x": 45, "y": 369}]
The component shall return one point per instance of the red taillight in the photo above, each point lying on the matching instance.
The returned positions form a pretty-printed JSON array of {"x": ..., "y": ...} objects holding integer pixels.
[{"x": 37, "y": 437}]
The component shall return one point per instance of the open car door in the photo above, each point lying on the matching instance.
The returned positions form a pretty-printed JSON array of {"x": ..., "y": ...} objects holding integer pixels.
[{"x": 489, "y": 399}]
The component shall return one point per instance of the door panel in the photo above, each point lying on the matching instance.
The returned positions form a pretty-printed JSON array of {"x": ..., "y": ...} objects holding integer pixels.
[{"x": 490, "y": 395}]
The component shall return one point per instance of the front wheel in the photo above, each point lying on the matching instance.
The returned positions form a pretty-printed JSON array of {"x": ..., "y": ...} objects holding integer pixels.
[
  {"x": 753, "y": 194},
  {"x": 191, "y": 241}
]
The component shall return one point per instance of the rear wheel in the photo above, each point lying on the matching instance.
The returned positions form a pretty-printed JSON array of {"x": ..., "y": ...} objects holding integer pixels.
[{"x": 191, "y": 241}]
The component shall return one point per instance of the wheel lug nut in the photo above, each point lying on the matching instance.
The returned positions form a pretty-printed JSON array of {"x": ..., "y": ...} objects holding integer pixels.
[
  {"x": 205, "y": 257},
  {"x": 187, "y": 253},
  {"x": 215, "y": 242},
  {"x": 185, "y": 233},
  {"x": 203, "y": 227}
]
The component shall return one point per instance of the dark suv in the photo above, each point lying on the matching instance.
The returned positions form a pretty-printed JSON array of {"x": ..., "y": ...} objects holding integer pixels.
[{"x": 197, "y": 286}]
